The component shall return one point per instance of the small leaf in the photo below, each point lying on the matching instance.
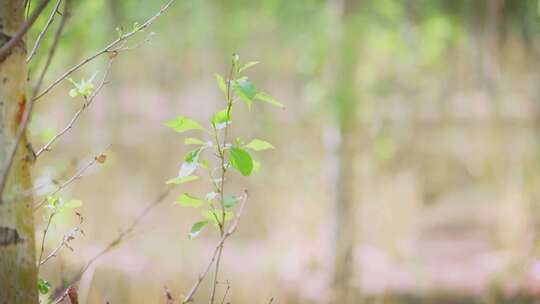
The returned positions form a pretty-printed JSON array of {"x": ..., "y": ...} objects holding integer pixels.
[
  {"x": 43, "y": 286},
  {"x": 215, "y": 216},
  {"x": 269, "y": 99},
  {"x": 101, "y": 158},
  {"x": 187, "y": 169},
  {"x": 196, "y": 229},
  {"x": 204, "y": 163},
  {"x": 245, "y": 90},
  {"x": 221, "y": 83},
  {"x": 247, "y": 66},
  {"x": 193, "y": 155},
  {"x": 220, "y": 119},
  {"x": 241, "y": 161},
  {"x": 193, "y": 141},
  {"x": 230, "y": 201},
  {"x": 256, "y": 166},
  {"x": 188, "y": 200},
  {"x": 73, "y": 204},
  {"x": 182, "y": 124},
  {"x": 180, "y": 180},
  {"x": 259, "y": 145}
]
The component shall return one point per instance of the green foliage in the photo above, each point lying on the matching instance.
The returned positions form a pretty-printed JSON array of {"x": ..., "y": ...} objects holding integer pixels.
[
  {"x": 57, "y": 205},
  {"x": 241, "y": 161},
  {"x": 182, "y": 124},
  {"x": 43, "y": 286},
  {"x": 259, "y": 145},
  {"x": 229, "y": 154},
  {"x": 84, "y": 88},
  {"x": 188, "y": 200},
  {"x": 196, "y": 229}
]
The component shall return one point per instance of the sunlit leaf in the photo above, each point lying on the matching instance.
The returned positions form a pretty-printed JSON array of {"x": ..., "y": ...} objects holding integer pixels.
[
  {"x": 180, "y": 180},
  {"x": 221, "y": 83},
  {"x": 193, "y": 141},
  {"x": 182, "y": 124},
  {"x": 241, "y": 161},
  {"x": 43, "y": 286},
  {"x": 245, "y": 90},
  {"x": 259, "y": 145},
  {"x": 189, "y": 201},
  {"x": 247, "y": 66},
  {"x": 269, "y": 99},
  {"x": 220, "y": 119},
  {"x": 196, "y": 229},
  {"x": 73, "y": 204},
  {"x": 215, "y": 216}
]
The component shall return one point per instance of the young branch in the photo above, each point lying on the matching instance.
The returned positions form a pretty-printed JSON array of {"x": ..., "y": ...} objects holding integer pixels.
[
  {"x": 65, "y": 240},
  {"x": 72, "y": 179},
  {"x": 232, "y": 229},
  {"x": 44, "y": 30},
  {"x": 110, "y": 48},
  {"x": 8, "y": 46},
  {"x": 122, "y": 236},
  {"x": 86, "y": 104}
]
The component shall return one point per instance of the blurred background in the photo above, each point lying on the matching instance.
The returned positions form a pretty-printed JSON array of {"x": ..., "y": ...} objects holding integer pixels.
[{"x": 406, "y": 167}]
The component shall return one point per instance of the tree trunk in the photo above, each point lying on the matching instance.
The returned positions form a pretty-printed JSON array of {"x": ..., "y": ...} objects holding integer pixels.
[
  {"x": 346, "y": 104},
  {"x": 18, "y": 272}
]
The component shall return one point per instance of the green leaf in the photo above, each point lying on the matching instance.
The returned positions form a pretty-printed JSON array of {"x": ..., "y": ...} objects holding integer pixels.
[
  {"x": 245, "y": 90},
  {"x": 247, "y": 66},
  {"x": 180, "y": 180},
  {"x": 259, "y": 145},
  {"x": 204, "y": 163},
  {"x": 193, "y": 141},
  {"x": 221, "y": 83},
  {"x": 241, "y": 161},
  {"x": 269, "y": 99},
  {"x": 230, "y": 201},
  {"x": 43, "y": 286},
  {"x": 256, "y": 166},
  {"x": 182, "y": 124},
  {"x": 188, "y": 200},
  {"x": 196, "y": 229},
  {"x": 73, "y": 204},
  {"x": 220, "y": 119},
  {"x": 215, "y": 216},
  {"x": 193, "y": 155}
]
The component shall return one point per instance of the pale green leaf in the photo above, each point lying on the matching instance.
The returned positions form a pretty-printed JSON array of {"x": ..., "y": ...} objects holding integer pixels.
[
  {"x": 188, "y": 200},
  {"x": 241, "y": 161},
  {"x": 247, "y": 66},
  {"x": 230, "y": 201},
  {"x": 193, "y": 141},
  {"x": 245, "y": 90},
  {"x": 221, "y": 83},
  {"x": 182, "y": 124},
  {"x": 196, "y": 229},
  {"x": 259, "y": 145},
  {"x": 180, "y": 180},
  {"x": 269, "y": 99}
]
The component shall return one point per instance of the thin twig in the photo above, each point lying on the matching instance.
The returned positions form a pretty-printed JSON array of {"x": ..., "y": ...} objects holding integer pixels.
[
  {"x": 86, "y": 104},
  {"x": 110, "y": 48},
  {"x": 232, "y": 229},
  {"x": 21, "y": 130},
  {"x": 49, "y": 221},
  {"x": 226, "y": 292},
  {"x": 73, "y": 178},
  {"x": 65, "y": 242},
  {"x": 44, "y": 30},
  {"x": 6, "y": 48},
  {"x": 122, "y": 236}
]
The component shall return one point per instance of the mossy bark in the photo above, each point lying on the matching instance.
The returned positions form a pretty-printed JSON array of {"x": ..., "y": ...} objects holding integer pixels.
[{"x": 18, "y": 271}]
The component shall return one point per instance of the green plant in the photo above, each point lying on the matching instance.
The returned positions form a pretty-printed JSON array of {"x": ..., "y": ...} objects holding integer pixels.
[{"x": 218, "y": 207}]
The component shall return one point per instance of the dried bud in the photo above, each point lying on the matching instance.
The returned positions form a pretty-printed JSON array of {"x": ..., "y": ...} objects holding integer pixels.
[{"x": 101, "y": 158}]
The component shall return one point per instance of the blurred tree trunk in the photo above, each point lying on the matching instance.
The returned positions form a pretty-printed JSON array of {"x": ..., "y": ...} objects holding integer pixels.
[
  {"x": 18, "y": 274},
  {"x": 344, "y": 94}
]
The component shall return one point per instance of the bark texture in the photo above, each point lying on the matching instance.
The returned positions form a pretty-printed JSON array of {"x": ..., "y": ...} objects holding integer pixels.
[{"x": 18, "y": 273}]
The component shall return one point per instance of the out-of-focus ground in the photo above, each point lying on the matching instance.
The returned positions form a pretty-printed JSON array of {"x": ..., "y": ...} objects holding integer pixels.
[{"x": 446, "y": 162}]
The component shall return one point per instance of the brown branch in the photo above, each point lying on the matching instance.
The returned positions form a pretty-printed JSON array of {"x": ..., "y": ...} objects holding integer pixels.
[
  {"x": 232, "y": 229},
  {"x": 72, "y": 179},
  {"x": 122, "y": 236},
  {"x": 44, "y": 30},
  {"x": 65, "y": 241},
  {"x": 21, "y": 130},
  {"x": 86, "y": 104},
  {"x": 110, "y": 48},
  {"x": 6, "y": 48}
]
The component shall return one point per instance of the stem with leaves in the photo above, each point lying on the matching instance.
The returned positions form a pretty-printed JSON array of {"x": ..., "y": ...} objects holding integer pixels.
[{"x": 228, "y": 154}]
